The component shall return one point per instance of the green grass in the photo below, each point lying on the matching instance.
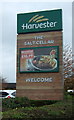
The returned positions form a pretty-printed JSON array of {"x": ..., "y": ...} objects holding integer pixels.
[{"x": 59, "y": 110}]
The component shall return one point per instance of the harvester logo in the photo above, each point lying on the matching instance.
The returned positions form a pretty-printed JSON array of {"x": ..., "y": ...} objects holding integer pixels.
[
  {"x": 39, "y": 22},
  {"x": 37, "y": 19}
]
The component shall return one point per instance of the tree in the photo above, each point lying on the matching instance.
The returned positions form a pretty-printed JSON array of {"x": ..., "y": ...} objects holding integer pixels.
[
  {"x": 68, "y": 67},
  {"x": 67, "y": 62},
  {"x": 3, "y": 80}
]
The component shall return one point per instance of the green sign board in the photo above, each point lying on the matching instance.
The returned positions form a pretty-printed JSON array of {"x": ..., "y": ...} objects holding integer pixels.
[{"x": 39, "y": 21}]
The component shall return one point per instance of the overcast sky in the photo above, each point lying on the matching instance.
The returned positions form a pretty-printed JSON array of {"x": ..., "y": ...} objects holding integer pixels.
[{"x": 9, "y": 29}]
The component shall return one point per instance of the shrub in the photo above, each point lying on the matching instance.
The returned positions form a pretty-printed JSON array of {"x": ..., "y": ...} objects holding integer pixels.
[
  {"x": 38, "y": 103},
  {"x": 28, "y": 111},
  {"x": 12, "y": 103},
  {"x": 17, "y": 102}
]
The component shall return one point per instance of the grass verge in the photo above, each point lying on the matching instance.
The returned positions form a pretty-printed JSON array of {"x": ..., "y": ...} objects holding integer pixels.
[{"x": 31, "y": 111}]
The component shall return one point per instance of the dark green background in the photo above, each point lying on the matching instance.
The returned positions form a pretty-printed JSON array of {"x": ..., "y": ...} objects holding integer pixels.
[{"x": 52, "y": 15}]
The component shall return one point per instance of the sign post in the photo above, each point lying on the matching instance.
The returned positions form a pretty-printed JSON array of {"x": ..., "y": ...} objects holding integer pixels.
[{"x": 39, "y": 55}]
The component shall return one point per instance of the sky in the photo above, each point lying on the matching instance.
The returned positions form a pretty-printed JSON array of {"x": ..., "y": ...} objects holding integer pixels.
[{"x": 8, "y": 20}]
